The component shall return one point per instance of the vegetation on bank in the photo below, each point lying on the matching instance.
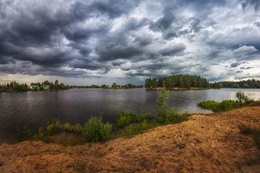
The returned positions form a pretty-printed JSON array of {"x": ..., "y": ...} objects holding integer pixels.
[
  {"x": 127, "y": 124},
  {"x": 46, "y": 85},
  {"x": 225, "y": 105},
  {"x": 113, "y": 86},
  {"x": 180, "y": 81},
  {"x": 250, "y": 83}
]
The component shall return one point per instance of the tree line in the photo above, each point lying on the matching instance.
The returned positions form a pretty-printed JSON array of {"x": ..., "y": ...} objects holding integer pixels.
[
  {"x": 113, "y": 86},
  {"x": 181, "y": 81},
  {"x": 250, "y": 83},
  {"x": 15, "y": 86}
]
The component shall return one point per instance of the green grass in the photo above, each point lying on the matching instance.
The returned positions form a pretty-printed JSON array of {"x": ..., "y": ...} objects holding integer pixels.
[{"x": 225, "y": 105}]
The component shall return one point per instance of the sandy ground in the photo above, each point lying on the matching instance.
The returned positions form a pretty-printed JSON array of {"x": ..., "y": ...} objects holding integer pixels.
[{"x": 205, "y": 143}]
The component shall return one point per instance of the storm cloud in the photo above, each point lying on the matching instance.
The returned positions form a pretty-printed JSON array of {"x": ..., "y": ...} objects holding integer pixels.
[{"x": 129, "y": 40}]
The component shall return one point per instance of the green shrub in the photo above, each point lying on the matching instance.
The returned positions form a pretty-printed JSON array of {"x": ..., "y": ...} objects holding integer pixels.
[
  {"x": 173, "y": 117},
  {"x": 96, "y": 131},
  {"x": 161, "y": 108},
  {"x": 225, "y": 105},
  {"x": 242, "y": 97},
  {"x": 78, "y": 128},
  {"x": 68, "y": 128},
  {"x": 209, "y": 104},
  {"x": 126, "y": 118},
  {"x": 53, "y": 127},
  {"x": 24, "y": 134}
]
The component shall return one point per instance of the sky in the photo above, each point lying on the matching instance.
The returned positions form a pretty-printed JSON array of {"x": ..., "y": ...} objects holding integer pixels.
[{"x": 83, "y": 42}]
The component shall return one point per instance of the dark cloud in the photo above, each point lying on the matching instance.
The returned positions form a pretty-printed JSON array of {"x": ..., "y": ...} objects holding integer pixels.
[
  {"x": 172, "y": 51},
  {"x": 135, "y": 39},
  {"x": 246, "y": 68},
  {"x": 235, "y": 64},
  {"x": 254, "y": 3}
]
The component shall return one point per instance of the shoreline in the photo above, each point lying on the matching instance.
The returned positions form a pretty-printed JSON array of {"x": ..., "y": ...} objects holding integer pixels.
[{"x": 211, "y": 142}]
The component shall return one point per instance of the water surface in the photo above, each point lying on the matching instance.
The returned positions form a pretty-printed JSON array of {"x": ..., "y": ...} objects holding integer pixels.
[{"x": 78, "y": 105}]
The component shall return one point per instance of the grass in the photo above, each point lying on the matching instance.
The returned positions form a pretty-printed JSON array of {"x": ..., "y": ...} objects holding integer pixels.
[
  {"x": 255, "y": 133},
  {"x": 225, "y": 105}
]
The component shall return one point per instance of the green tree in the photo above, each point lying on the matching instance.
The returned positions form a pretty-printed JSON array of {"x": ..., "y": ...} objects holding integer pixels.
[
  {"x": 114, "y": 85},
  {"x": 56, "y": 84},
  {"x": 245, "y": 85},
  {"x": 154, "y": 82}
]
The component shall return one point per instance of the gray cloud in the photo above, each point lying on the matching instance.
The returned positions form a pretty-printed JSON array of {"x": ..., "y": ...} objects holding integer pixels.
[{"x": 129, "y": 39}]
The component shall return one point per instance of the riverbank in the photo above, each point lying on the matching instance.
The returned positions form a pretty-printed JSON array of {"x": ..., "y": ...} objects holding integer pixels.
[
  {"x": 204, "y": 143},
  {"x": 178, "y": 88}
]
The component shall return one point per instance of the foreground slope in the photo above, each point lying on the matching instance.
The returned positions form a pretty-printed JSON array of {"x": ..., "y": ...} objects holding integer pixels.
[{"x": 205, "y": 143}]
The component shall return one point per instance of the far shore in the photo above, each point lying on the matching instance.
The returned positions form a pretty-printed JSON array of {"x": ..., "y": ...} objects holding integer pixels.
[{"x": 177, "y": 88}]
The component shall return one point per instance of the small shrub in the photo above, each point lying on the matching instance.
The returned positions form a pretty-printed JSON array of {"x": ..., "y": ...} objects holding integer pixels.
[
  {"x": 78, "y": 128},
  {"x": 242, "y": 97},
  {"x": 131, "y": 130},
  {"x": 68, "y": 128},
  {"x": 173, "y": 117},
  {"x": 124, "y": 119},
  {"x": 209, "y": 104},
  {"x": 161, "y": 108},
  {"x": 24, "y": 134},
  {"x": 53, "y": 126},
  {"x": 226, "y": 105},
  {"x": 96, "y": 131}
]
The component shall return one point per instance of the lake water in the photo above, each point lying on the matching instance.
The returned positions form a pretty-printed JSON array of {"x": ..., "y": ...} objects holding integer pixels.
[{"x": 78, "y": 105}]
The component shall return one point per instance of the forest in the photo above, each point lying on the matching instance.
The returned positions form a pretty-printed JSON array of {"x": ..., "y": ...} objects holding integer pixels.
[{"x": 180, "y": 81}]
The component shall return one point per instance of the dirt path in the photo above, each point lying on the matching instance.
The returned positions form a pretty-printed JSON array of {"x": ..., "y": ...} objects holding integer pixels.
[{"x": 205, "y": 143}]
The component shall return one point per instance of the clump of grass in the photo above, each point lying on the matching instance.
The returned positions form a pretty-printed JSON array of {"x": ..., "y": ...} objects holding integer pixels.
[
  {"x": 226, "y": 105},
  {"x": 126, "y": 118},
  {"x": 24, "y": 134},
  {"x": 255, "y": 132},
  {"x": 53, "y": 126},
  {"x": 95, "y": 130}
]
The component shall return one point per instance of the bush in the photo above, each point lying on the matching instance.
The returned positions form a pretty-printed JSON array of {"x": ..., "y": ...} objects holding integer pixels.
[
  {"x": 242, "y": 97},
  {"x": 96, "y": 131},
  {"x": 161, "y": 108},
  {"x": 209, "y": 104},
  {"x": 124, "y": 119},
  {"x": 78, "y": 128},
  {"x": 173, "y": 117},
  {"x": 53, "y": 127},
  {"x": 24, "y": 134},
  {"x": 136, "y": 128},
  {"x": 225, "y": 105}
]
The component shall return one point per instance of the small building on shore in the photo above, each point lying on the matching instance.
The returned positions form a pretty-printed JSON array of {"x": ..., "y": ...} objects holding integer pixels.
[{"x": 46, "y": 87}]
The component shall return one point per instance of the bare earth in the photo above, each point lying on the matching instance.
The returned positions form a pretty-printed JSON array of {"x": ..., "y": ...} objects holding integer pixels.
[{"x": 205, "y": 143}]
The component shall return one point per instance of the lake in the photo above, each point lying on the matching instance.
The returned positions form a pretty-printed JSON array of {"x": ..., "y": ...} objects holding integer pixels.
[{"x": 78, "y": 105}]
